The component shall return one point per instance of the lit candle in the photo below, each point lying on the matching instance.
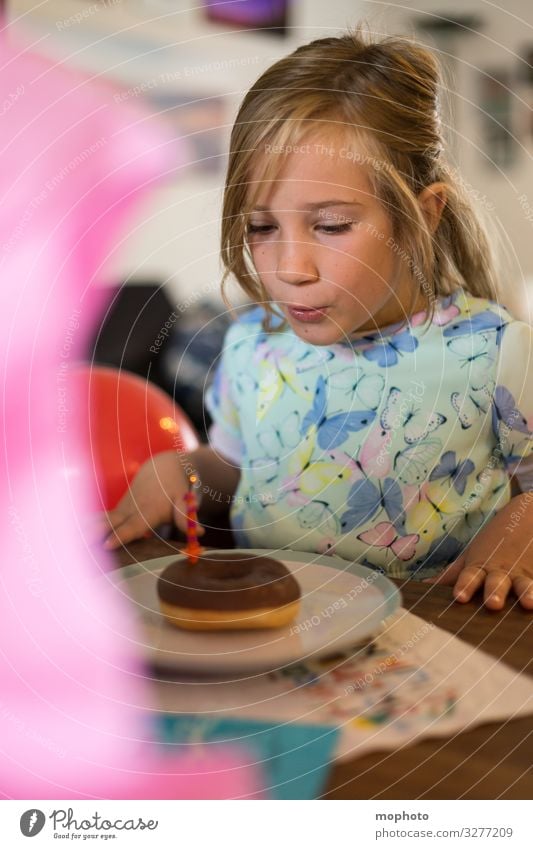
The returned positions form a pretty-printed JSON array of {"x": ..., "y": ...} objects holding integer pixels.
[{"x": 193, "y": 548}]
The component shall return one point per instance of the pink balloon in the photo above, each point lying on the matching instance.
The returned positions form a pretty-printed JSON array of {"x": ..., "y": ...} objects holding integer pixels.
[{"x": 73, "y": 699}]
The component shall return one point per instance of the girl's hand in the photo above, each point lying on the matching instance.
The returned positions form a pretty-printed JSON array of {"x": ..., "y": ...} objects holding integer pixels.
[
  {"x": 155, "y": 497},
  {"x": 500, "y": 558}
]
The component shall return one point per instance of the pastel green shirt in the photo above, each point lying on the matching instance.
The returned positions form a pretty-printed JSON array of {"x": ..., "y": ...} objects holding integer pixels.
[{"x": 392, "y": 450}]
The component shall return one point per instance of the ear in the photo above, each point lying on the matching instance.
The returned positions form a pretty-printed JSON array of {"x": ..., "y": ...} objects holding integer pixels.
[{"x": 432, "y": 201}]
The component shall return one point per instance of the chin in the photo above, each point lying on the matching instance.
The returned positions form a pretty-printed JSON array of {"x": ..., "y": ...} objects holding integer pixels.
[{"x": 319, "y": 334}]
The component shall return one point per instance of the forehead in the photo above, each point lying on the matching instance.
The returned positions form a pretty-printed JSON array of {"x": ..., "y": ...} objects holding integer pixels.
[{"x": 314, "y": 168}]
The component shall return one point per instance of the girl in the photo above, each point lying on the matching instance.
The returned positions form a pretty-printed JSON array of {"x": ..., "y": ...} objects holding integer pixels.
[{"x": 377, "y": 402}]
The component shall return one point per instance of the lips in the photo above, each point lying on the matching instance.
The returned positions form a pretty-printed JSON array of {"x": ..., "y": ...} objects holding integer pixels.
[{"x": 307, "y": 314}]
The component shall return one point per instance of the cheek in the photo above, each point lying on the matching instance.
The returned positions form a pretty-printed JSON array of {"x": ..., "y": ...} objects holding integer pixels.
[
  {"x": 367, "y": 270},
  {"x": 379, "y": 265},
  {"x": 261, "y": 259},
  {"x": 364, "y": 255}
]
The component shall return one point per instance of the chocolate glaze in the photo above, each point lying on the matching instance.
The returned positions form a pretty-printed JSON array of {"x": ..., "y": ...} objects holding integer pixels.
[{"x": 229, "y": 581}]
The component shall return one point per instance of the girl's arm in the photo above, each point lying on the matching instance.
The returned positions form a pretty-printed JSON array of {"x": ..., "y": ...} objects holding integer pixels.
[
  {"x": 499, "y": 558},
  {"x": 156, "y": 494}
]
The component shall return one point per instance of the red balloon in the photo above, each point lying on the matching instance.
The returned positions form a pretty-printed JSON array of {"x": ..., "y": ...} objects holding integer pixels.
[{"x": 129, "y": 420}]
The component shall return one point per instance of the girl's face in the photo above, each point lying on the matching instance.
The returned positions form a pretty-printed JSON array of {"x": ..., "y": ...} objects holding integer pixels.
[{"x": 323, "y": 247}]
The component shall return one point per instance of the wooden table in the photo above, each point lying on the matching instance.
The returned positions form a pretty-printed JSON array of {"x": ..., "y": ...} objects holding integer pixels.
[{"x": 489, "y": 762}]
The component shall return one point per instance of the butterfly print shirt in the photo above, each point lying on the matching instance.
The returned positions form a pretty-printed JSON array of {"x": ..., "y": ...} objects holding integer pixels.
[{"x": 391, "y": 450}]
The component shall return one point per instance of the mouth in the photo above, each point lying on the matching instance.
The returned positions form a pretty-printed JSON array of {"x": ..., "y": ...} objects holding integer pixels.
[{"x": 306, "y": 314}]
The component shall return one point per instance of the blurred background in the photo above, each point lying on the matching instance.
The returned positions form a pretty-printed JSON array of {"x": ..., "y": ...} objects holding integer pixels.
[{"x": 191, "y": 64}]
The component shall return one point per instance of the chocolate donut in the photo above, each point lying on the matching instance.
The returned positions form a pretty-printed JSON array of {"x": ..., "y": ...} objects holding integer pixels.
[{"x": 228, "y": 590}]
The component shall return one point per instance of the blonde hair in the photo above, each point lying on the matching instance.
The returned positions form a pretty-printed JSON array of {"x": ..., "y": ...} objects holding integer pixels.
[{"x": 383, "y": 95}]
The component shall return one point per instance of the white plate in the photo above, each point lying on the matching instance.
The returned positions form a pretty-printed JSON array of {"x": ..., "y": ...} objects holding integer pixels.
[{"x": 339, "y": 609}]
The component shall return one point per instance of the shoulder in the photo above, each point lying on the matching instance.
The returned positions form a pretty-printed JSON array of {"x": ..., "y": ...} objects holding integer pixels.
[
  {"x": 517, "y": 344},
  {"x": 246, "y": 326},
  {"x": 246, "y": 337},
  {"x": 250, "y": 322},
  {"x": 466, "y": 315}
]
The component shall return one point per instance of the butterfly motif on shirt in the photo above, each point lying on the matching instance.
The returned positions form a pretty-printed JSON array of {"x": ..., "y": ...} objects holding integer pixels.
[
  {"x": 311, "y": 359},
  {"x": 504, "y": 410},
  {"x": 436, "y": 512},
  {"x": 309, "y": 478},
  {"x": 388, "y": 353},
  {"x": 276, "y": 443},
  {"x": 402, "y": 411},
  {"x": 412, "y": 465},
  {"x": 292, "y": 350},
  {"x": 516, "y": 452},
  {"x": 277, "y": 440},
  {"x": 475, "y": 356},
  {"x": 368, "y": 389},
  {"x": 443, "y": 550},
  {"x": 384, "y": 535},
  {"x": 333, "y": 430},
  {"x": 472, "y": 405},
  {"x": 245, "y": 383},
  {"x": 457, "y": 471},
  {"x": 492, "y": 483},
  {"x": 276, "y": 373},
  {"x": 318, "y": 515},
  {"x": 486, "y": 320},
  {"x": 374, "y": 454},
  {"x": 365, "y": 499}
]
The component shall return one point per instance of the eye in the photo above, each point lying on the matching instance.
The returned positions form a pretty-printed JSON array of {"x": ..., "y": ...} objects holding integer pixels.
[
  {"x": 335, "y": 228},
  {"x": 259, "y": 228}
]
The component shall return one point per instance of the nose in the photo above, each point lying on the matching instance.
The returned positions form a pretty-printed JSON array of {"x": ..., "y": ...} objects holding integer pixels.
[{"x": 295, "y": 263}]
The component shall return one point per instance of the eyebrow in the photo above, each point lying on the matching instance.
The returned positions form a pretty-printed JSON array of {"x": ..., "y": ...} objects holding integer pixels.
[{"x": 319, "y": 205}]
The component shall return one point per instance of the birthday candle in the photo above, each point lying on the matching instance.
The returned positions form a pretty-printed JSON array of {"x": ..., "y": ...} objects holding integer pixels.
[{"x": 193, "y": 547}]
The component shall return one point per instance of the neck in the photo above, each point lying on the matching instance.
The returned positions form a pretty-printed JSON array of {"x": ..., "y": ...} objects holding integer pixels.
[{"x": 394, "y": 311}]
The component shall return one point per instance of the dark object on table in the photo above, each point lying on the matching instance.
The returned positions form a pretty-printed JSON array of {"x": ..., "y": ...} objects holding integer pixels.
[
  {"x": 131, "y": 326},
  {"x": 190, "y": 358}
]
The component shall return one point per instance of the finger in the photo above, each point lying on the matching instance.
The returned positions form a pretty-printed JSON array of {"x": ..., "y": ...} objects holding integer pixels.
[
  {"x": 468, "y": 582},
  {"x": 497, "y": 586},
  {"x": 523, "y": 587},
  {"x": 114, "y": 517},
  {"x": 450, "y": 574}
]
